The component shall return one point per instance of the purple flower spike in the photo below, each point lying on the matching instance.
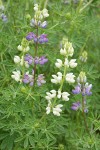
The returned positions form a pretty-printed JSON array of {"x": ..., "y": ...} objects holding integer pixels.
[
  {"x": 40, "y": 80},
  {"x": 30, "y": 36},
  {"x": 76, "y": 106},
  {"x": 28, "y": 58},
  {"x": 77, "y": 89},
  {"x": 43, "y": 39},
  {"x": 43, "y": 60}
]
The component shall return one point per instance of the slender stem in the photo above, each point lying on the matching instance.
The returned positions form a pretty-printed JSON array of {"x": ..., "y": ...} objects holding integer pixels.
[
  {"x": 36, "y": 48},
  {"x": 84, "y": 117},
  {"x": 63, "y": 78},
  {"x": 86, "y": 6},
  {"x": 45, "y": 4},
  {"x": 3, "y": 66}
]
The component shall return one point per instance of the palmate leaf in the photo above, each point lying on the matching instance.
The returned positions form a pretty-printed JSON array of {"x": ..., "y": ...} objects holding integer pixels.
[
  {"x": 7, "y": 143},
  {"x": 26, "y": 142},
  {"x": 3, "y": 135},
  {"x": 31, "y": 140}
]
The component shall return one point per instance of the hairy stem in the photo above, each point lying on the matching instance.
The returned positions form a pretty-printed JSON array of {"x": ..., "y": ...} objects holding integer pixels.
[
  {"x": 84, "y": 117},
  {"x": 36, "y": 48},
  {"x": 86, "y": 6}
]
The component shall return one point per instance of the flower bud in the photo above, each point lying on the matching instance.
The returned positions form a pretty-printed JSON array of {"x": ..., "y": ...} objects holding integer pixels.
[
  {"x": 63, "y": 51},
  {"x": 19, "y": 47},
  {"x": 82, "y": 77},
  {"x": 83, "y": 57}
]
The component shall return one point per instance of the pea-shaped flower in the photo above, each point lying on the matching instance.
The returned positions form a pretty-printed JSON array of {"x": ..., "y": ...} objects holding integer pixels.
[
  {"x": 70, "y": 78},
  {"x": 58, "y": 64}
]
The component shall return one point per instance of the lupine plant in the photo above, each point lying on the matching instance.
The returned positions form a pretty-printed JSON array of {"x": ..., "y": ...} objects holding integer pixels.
[
  {"x": 28, "y": 61},
  {"x": 55, "y": 96}
]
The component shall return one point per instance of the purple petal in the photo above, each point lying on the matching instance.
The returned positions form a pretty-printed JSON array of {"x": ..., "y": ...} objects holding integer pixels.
[{"x": 30, "y": 36}]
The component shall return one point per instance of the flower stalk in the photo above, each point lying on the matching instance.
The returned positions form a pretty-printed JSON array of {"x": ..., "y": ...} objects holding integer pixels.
[
  {"x": 83, "y": 108},
  {"x": 36, "y": 48}
]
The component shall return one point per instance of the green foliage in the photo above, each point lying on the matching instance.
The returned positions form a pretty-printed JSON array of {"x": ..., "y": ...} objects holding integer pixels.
[{"x": 23, "y": 122}]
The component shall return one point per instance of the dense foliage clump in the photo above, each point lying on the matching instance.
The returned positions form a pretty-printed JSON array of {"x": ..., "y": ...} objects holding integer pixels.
[{"x": 49, "y": 93}]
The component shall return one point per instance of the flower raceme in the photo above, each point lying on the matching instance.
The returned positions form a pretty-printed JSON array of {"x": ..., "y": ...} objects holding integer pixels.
[
  {"x": 67, "y": 48},
  {"x": 39, "y": 17},
  {"x": 52, "y": 96},
  {"x": 83, "y": 88},
  {"x": 28, "y": 61}
]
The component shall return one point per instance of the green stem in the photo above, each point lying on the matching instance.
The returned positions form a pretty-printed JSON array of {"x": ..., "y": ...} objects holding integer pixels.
[
  {"x": 85, "y": 6},
  {"x": 84, "y": 117},
  {"x": 45, "y": 4},
  {"x": 3, "y": 66},
  {"x": 36, "y": 48},
  {"x": 61, "y": 86}
]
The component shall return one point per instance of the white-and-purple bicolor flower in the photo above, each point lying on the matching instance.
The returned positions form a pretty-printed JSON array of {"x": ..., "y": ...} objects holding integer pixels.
[
  {"x": 29, "y": 59},
  {"x": 28, "y": 79},
  {"x": 40, "y": 80},
  {"x": 77, "y": 105},
  {"x": 43, "y": 38},
  {"x": 77, "y": 89},
  {"x": 85, "y": 90},
  {"x": 40, "y": 60},
  {"x": 30, "y": 36}
]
